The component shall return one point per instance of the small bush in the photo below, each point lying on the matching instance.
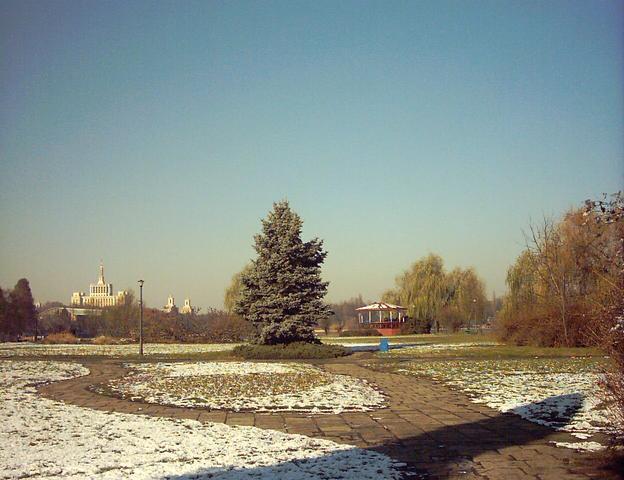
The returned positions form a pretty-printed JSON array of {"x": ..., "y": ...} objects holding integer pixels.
[
  {"x": 104, "y": 340},
  {"x": 61, "y": 338},
  {"x": 289, "y": 351},
  {"x": 363, "y": 332}
]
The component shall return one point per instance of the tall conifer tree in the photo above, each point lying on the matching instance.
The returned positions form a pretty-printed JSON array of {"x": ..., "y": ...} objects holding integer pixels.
[
  {"x": 4, "y": 315},
  {"x": 282, "y": 293},
  {"x": 23, "y": 314}
]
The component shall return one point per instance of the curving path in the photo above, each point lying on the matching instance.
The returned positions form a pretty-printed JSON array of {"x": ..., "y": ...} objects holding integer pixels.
[{"x": 438, "y": 432}]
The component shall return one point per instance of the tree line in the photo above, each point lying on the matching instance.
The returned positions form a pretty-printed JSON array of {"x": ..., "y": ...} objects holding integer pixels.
[
  {"x": 20, "y": 318},
  {"x": 121, "y": 323},
  {"x": 567, "y": 277}
]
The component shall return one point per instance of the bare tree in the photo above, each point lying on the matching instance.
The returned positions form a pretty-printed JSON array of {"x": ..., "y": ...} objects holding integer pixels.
[{"x": 553, "y": 266}]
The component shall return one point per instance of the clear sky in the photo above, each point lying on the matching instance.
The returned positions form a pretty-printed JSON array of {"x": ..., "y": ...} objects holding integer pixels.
[{"x": 156, "y": 135}]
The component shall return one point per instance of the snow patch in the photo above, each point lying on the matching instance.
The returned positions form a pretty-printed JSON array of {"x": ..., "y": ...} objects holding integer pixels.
[
  {"x": 558, "y": 393},
  {"x": 581, "y": 446},
  {"x": 47, "y": 439}
]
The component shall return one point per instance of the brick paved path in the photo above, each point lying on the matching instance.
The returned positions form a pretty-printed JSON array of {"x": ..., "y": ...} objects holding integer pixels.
[{"x": 436, "y": 431}]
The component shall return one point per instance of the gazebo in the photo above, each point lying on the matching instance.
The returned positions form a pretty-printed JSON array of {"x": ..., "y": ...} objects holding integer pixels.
[{"x": 384, "y": 321}]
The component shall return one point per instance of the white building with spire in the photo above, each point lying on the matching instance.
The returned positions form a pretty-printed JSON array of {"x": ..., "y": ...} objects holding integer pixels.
[
  {"x": 187, "y": 308},
  {"x": 100, "y": 294},
  {"x": 171, "y": 306}
]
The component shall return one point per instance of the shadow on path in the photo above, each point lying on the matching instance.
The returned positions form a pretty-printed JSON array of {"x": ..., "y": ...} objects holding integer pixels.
[{"x": 442, "y": 453}]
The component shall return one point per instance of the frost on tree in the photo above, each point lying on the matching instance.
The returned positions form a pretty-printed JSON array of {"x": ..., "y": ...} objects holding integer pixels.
[{"x": 282, "y": 293}]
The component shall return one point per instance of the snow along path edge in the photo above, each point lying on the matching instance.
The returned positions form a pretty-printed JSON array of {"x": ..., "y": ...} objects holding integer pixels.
[{"x": 53, "y": 440}]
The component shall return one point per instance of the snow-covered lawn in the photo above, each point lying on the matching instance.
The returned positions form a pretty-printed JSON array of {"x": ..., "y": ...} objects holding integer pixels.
[
  {"x": 46, "y": 439},
  {"x": 38, "y": 349},
  {"x": 559, "y": 393},
  {"x": 245, "y": 386}
]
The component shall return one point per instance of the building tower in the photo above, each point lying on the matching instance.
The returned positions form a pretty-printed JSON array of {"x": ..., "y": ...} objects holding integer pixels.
[
  {"x": 187, "y": 308},
  {"x": 100, "y": 294},
  {"x": 171, "y": 306}
]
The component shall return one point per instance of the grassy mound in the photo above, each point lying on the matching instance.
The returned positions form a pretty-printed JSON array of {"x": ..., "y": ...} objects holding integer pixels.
[
  {"x": 290, "y": 351},
  {"x": 61, "y": 338}
]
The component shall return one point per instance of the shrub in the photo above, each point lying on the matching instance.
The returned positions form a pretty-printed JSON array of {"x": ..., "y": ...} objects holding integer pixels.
[
  {"x": 61, "y": 338},
  {"x": 614, "y": 379},
  {"x": 413, "y": 325},
  {"x": 104, "y": 340},
  {"x": 292, "y": 351},
  {"x": 362, "y": 332},
  {"x": 229, "y": 328}
]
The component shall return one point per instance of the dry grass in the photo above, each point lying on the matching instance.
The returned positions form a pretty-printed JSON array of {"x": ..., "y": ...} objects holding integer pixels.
[
  {"x": 478, "y": 352},
  {"x": 292, "y": 351},
  {"x": 61, "y": 338},
  {"x": 105, "y": 340}
]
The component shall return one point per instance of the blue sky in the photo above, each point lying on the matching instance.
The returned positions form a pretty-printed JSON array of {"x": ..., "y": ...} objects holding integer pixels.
[{"x": 156, "y": 135}]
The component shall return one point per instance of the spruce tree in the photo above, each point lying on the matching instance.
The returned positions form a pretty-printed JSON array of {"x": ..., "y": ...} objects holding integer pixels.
[
  {"x": 23, "y": 314},
  {"x": 282, "y": 293},
  {"x": 4, "y": 316}
]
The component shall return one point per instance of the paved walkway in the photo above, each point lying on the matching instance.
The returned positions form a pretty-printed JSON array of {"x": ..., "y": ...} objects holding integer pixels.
[{"x": 438, "y": 432}]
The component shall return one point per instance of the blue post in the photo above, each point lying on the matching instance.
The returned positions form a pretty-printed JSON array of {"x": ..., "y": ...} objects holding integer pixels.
[{"x": 383, "y": 345}]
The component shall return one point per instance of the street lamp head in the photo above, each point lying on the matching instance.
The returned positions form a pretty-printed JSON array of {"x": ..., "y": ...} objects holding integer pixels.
[{"x": 141, "y": 282}]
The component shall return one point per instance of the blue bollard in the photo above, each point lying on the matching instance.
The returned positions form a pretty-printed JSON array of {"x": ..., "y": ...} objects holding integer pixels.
[{"x": 383, "y": 345}]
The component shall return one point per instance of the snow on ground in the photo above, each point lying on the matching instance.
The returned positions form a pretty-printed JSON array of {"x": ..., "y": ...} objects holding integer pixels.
[
  {"x": 559, "y": 393},
  {"x": 245, "y": 386},
  {"x": 47, "y": 439},
  {"x": 23, "y": 349},
  {"x": 581, "y": 446}
]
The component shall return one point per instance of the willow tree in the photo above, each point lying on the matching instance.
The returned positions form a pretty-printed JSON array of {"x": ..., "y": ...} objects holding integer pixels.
[
  {"x": 424, "y": 290},
  {"x": 282, "y": 292},
  {"x": 466, "y": 299},
  {"x": 233, "y": 291}
]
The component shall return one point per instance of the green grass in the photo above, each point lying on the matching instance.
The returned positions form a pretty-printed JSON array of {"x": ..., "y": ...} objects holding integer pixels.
[
  {"x": 456, "y": 368},
  {"x": 424, "y": 342},
  {"x": 292, "y": 351},
  {"x": 496, "y": 352}
]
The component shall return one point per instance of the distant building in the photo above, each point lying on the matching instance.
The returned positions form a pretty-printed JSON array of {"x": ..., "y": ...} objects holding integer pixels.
[
  {"x": 187, "y": 308},
  {"x": 100, "y": 295},
  {"x": 171, "y": 306}
]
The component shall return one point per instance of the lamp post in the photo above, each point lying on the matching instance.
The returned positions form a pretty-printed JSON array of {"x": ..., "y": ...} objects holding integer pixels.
[
  {"x": 474, "y": 311},
  {"x": 141, "y": 317}
]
